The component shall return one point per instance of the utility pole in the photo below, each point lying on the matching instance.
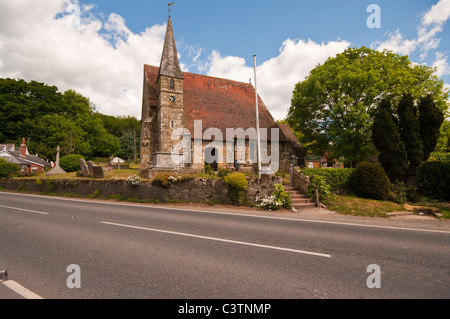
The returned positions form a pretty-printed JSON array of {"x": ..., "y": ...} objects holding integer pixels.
[{"x": 257, "y": 121}]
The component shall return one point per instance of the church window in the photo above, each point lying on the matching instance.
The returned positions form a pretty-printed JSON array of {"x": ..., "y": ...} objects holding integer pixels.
[{"x": 172, "y": 84}]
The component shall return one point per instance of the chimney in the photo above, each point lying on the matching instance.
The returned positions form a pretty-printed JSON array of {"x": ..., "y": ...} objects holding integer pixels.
[{"x": 23, "y": 148}]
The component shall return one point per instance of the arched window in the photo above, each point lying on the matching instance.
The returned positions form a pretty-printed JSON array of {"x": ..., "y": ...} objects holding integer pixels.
[{"x": 172, "y": 84}]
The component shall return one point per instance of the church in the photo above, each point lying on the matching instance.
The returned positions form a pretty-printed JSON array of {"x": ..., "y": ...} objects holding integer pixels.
[{"x": 190, "y": 120}]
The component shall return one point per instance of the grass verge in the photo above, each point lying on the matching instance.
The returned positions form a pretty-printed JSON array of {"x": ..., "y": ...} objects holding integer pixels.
[{"x": 352, "y": 205}]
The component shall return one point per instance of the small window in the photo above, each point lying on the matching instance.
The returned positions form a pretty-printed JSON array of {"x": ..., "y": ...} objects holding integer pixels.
[
  {"x": 172, "y": 124},
  {"x": 172, "y": 84}
]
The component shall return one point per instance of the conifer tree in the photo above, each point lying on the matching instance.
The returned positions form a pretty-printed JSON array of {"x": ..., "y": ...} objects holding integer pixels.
[
  {"x": 386, "y": 138},
  {"x": 430, "y": 119},
  {"x": 409, "y": 127}
]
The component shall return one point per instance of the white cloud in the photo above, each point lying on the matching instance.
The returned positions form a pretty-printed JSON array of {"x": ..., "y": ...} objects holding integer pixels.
[
  {"x": 431, "y": 24},
  {"x": 442, "y": 65},
  {"x": 276, "y": 78},
  {"x": 73, "y": 49},
  {"x": 438, "y": 14}
]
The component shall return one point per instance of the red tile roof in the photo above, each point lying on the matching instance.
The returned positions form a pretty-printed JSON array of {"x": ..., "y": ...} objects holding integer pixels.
[{"x": 219, "y": 103}]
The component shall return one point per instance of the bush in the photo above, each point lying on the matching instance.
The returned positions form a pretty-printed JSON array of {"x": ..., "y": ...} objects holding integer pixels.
[
  {"x": 278, "y": 198},
  {"x": 134, "y": 180},
  {"x": 444, "y": 157},
  {"x": 223, "y": 172},
  {"x": 324, "y": 187},
  {"x": 70, "y": 163},
  {"x": 370, "y": 181},
  {"x": 339, "y": 179},
  {"x": 238, "y": 185},
  {"x": 7, "y": 169},
  {"x": 399, "y": 193},
  {"x": 433, "y": 179}
]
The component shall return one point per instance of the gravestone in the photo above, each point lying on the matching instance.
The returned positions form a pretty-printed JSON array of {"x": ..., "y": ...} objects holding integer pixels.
[
  {"x": 97, "y": 172},
  {"x": 90, "y": 166},
  {"x": 83, "y": 168},
  {"x": 90, "y": 170}
]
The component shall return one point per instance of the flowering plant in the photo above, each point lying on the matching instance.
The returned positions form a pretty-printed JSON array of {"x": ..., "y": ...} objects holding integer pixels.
[
  {"x": 278, "y": 198},
  {"x": 165, "y": 179},
  {"x": 134, "y": 180}
]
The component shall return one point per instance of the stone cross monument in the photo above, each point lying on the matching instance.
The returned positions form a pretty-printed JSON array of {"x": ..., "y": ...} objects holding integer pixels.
[{"x": 56, "y": 170}]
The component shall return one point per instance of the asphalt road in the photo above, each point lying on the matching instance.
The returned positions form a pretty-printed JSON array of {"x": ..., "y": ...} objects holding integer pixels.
[{"x": 140, "y": 251}]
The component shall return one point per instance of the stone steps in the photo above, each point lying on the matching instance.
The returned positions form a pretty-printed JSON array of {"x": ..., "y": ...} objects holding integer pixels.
[{"x": 299, "y": 200}]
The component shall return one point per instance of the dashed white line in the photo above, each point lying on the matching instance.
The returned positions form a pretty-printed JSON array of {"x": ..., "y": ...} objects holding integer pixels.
[
  {"x": 21, "y": 290},
  {"x": 221, "y": 240},
  {"x": 26, "y": 210}
]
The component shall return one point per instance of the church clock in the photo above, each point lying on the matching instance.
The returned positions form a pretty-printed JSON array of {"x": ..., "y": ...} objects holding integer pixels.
[{"x": 172, "y": 99}]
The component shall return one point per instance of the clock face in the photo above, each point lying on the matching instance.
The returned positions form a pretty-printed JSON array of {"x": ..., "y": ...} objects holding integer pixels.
[{"x": 172, "y": 99}]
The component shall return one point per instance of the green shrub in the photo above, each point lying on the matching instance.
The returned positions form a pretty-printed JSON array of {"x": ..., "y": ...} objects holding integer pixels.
[
  {"x": 223, "y": 172},
  {"x": 339, "y": 179},
  {"x": 370, "y": 181},
  {"x": 7, "y": 169},
  {"x": 324, "y": 187},
  {"x": 443, "y": 157},
  {"x": 433, "y": 179},
  {"x": 278, "y": 198},
  {"x": 70, "y": 163},
  {"x": 238, "y": 186},
  {"x": 399, "y": 193}
]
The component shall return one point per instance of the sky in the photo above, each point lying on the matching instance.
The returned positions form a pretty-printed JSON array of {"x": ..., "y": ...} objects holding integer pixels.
[{"x": 99, "y": 47}]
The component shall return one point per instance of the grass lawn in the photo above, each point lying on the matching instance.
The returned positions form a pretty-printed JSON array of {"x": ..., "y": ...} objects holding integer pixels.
[{"x": 352, "y": 205}]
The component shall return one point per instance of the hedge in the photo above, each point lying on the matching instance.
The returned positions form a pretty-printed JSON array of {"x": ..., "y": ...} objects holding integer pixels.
[
  {"x": 6, "y": 169},
  {"x": 339, "y": 179},
  {"x": 433, "y": 179}
]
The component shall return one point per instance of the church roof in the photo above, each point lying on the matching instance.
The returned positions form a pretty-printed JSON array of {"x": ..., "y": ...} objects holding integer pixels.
[
  {"x": 287, "y": 131},
  {"x": 169, "y": 59},
  {"x": 219, "y": 103}
]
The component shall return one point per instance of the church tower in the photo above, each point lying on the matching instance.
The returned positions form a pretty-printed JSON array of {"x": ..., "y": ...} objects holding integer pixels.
[{"x": 170, "y": 112}]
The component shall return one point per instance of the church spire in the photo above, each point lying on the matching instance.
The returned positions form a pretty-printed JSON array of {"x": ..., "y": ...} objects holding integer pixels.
[{"x": 169, "y": 59}]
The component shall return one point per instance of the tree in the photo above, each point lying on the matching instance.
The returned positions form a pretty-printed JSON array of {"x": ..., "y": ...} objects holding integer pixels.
[
  {"x": 334, "y": 107},
  {"x": 386, "y": 137},
  {"x": 409, "y": 127},
  {"x": 431, "y": 119},
  {"x": 48, "y": 118}
]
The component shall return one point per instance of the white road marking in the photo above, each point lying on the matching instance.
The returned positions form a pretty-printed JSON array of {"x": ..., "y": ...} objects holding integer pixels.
[
  {"x": 26, "y": 210},
  {"x": 220, "y": 239},
  {"x": 21, "y": 290},
  {"x": 235, "y": 214}
]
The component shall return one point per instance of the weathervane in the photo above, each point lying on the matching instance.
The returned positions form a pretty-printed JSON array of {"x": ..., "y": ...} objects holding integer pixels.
[{"x": 170, "y": 9}]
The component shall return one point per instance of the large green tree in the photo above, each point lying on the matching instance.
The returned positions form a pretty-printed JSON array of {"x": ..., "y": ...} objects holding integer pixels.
[{"x": 335, "y": 105}]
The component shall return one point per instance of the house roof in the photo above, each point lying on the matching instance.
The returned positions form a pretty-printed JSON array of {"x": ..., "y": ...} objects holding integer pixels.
[
  {"x": 17, "y": 158},
  {"x": 219, "y": 103}
]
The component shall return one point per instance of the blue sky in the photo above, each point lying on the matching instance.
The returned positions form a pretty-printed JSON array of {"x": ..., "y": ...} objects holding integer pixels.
[
  {"x": 98, "y": 47},
  {"x": 243, "y": 28}
]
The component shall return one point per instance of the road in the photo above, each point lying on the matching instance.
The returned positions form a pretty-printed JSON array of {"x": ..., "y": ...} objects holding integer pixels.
[{"x": 140, "y": 251}]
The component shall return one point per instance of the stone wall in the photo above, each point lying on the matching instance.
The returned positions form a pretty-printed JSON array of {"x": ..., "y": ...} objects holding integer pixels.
[{"x": 191, "y": 190}]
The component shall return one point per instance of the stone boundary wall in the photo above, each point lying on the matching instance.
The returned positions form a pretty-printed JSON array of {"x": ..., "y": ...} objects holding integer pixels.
[{"x": 190, "y": 190}]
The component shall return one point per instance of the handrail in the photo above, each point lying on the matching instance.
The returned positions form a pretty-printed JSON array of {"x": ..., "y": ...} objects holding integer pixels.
[{"x": 316, "y": 187}]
